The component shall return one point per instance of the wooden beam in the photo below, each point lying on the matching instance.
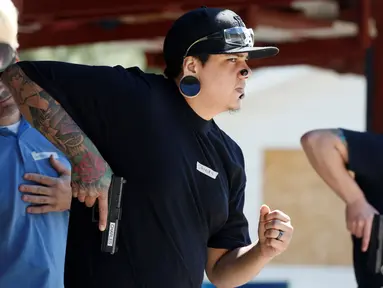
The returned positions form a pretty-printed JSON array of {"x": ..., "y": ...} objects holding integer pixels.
[
  {"x": 364, "y": 23},
  {"x": 375, "y": 113},
  {"x": 280, "y": 19},
  {"x": 19, "y": 5},
  {"x": 71, "y": 8},
  {"x": 138, "y": 27},
  {"x": 252, "y": 14},
  {"x": 92, "y": 33}
]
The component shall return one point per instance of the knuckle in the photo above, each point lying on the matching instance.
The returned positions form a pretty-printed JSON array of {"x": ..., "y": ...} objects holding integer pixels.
[
  {"x": 31, "y": 177},
  {"x": 103, "y": 195},
  {"x": 42, "y": 200},
  {"x": 37, "y": 209},
  {"x": 275, "y": 223},
  {"x": 93, "y": 193},
  {"x": 33, "y": 210}
]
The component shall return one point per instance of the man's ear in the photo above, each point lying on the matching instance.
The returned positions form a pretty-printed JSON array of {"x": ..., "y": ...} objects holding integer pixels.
[{"x": 189, "y": 66}]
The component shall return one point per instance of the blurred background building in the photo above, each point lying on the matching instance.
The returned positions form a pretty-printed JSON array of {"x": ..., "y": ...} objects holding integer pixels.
[{"x": 326, "y": 75}]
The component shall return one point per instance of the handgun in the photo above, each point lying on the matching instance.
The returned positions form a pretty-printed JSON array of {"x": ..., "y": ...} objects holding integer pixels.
[
  {"x": 375, "y": 247},
  {"x": 110, "y": 234}
]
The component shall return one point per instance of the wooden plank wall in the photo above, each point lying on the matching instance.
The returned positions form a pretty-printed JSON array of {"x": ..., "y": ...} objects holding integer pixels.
[{"x": 318, "y": 215}]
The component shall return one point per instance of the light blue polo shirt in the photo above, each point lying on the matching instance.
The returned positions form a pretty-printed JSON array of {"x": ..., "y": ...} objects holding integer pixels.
[{"x": 32, "y": 247}]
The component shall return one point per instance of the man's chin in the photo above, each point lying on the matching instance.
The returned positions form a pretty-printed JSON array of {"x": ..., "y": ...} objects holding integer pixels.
[
  {"x": 8, "y": 110},
  {"x": 235, "y": 108}
]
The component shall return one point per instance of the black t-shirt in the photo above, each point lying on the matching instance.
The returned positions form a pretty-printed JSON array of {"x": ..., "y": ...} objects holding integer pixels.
[
  {"x": 185, "y": 178},
  {"x": 365, "y": 152}
]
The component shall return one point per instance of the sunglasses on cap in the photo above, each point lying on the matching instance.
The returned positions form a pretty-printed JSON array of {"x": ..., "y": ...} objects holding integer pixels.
[
  {"x": 8, "y": 56},
  {"x": 235, "y": 36}
]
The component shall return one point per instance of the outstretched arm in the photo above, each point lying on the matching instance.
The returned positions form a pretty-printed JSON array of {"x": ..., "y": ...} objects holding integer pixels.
[{"x": 91, "y": 175}]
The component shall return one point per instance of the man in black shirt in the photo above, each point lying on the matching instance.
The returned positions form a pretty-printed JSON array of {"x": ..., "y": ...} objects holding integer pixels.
[
  {"x": 184, "y": 196},
  {"x": 335, "y": 152}
]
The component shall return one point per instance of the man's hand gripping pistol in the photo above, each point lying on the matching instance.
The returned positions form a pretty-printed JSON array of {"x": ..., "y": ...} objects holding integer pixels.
[{"x": 110, "y": 234}]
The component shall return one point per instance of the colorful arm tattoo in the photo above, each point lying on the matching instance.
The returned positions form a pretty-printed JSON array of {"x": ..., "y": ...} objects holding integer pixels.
[{"x": 89, "y": 170}]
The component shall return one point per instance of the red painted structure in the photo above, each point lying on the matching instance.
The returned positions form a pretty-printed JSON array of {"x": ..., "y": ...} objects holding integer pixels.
[{"x": 70, "y": 22}]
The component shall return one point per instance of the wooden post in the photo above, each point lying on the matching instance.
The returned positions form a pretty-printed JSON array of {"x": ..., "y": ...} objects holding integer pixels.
[{"x": 374, "y": 74}]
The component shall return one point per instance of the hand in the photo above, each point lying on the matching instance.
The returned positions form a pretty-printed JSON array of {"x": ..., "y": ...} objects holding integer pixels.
[
  {"x": 102, "y": 199},
  {"x": 89, "y": 195},
  {"x": 271, "y": 223},
  {"x": 359, "y": 217},
  {"x": 55, "y": 194},
  {"x": 91, "y": 178}
]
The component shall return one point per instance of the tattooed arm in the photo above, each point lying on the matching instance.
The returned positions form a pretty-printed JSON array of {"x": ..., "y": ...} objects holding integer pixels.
[{"x": 91, "y": 175}]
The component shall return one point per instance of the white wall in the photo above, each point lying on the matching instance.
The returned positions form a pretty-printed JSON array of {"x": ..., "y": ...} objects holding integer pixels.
[{"x": 281, "y": 104}]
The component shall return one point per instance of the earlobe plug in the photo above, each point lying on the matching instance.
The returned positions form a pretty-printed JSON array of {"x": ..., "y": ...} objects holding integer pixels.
[{"x": 190, "y": 86}]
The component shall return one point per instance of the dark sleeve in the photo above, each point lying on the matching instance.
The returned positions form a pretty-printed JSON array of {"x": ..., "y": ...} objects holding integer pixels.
[
  {"x": 96, "y": 97},
  {"x": 235, "y": 232},
  {"x": 365, "y": 153}
]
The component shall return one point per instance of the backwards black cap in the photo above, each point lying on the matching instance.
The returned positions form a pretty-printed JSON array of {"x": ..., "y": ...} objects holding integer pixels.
[{"x": 200, "y": 23}]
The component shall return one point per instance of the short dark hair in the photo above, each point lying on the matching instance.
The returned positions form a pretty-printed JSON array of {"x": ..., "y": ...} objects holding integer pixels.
[{"x": 173, "y": 71}]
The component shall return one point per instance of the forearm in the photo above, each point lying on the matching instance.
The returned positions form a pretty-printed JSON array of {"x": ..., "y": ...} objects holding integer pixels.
[
  {"x": 328, "y": 161},
  {"x": 46, "y": 115},
  {"x": 238, "y": 267}
]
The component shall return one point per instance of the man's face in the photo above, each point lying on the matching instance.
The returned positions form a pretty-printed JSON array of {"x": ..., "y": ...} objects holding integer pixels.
[
  {"x": 8, "y": 105},
  {"x": 222, "y": 84}
]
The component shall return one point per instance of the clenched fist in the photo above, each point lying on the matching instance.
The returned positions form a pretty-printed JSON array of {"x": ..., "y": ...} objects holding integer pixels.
[{"x": 274, "y": 231}]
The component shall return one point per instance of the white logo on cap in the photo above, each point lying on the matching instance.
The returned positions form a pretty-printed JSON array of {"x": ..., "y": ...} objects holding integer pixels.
[{"x": 239, "y": 20}]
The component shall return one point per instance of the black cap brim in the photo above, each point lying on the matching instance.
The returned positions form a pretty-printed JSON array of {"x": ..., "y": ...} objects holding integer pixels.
[{"x": 255, "y": 52}]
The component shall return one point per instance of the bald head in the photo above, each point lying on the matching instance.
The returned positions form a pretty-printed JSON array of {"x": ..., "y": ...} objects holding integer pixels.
[{"x": 8, "y": 23}]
